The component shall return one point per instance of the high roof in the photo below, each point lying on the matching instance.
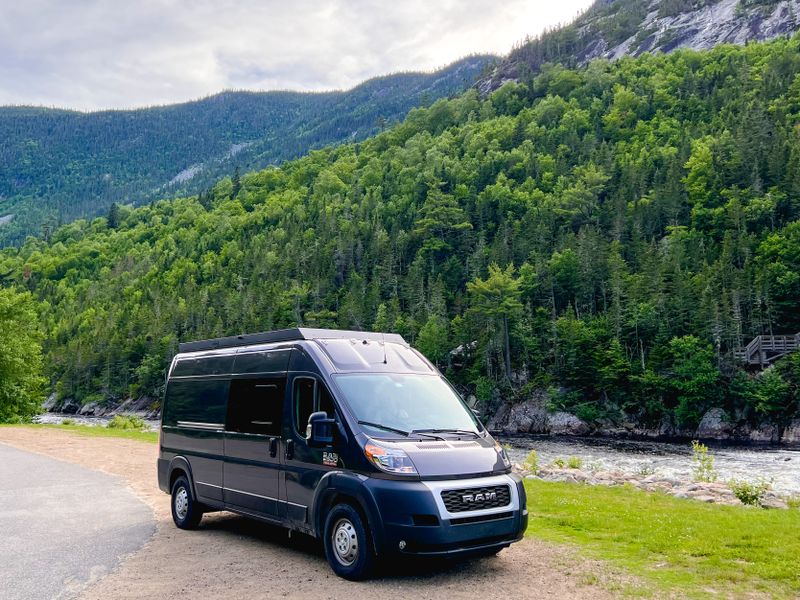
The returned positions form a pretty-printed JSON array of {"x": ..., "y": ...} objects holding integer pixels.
[{"x": 287, "y": 335}]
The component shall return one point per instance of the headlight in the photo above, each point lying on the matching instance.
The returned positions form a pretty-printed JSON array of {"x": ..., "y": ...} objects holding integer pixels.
[
  {"x": 503, "y": 454},
  {"x": 391, "y": 460}
]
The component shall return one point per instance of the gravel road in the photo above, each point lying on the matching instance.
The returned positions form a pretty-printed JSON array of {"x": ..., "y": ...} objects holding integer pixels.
[
  {"x": 230, "y": 557},
  {"x": 62, "y": 525}
]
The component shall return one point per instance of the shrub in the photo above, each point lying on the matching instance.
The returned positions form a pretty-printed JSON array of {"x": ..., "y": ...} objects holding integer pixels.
[
  {"x": 68, "y": 421},
  {"x": 559, "y": 462},
  {"x": 574, "y": 462},
  {"x": 531, "y": 462},
  {"x": 793, "y": 502},
  {"x": 749, "y": 493},
  {"x": 126, "y": 422},
  {"x": 703, "y": 469}
]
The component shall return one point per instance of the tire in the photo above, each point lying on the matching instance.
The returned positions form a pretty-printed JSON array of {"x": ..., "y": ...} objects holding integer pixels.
[
  {"x": 186, "y": 511},
  {"x": 348, "y": 546}
]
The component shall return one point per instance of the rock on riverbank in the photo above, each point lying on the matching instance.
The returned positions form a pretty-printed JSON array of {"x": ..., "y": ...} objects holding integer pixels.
[
  {"x": 144, "y": 408},
  {"x": 533, "y": 417},
  {"x": 712, "y": 492}
]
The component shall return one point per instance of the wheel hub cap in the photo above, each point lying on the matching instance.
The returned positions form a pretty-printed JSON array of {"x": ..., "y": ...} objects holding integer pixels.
[
  {"x": 181, "y": 503},
  {"x": 345, "y": 542}
]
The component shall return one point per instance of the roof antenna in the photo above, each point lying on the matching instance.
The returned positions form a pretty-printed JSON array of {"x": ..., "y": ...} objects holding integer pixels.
[{"x": 383, "y": 340}]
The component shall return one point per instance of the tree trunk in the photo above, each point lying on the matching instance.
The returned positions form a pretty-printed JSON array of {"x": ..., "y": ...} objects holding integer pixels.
[{"x": 507, "y": 347}]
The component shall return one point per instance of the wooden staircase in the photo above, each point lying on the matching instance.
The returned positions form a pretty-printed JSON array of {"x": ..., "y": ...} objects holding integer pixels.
[{"x": 766, "y": 349}]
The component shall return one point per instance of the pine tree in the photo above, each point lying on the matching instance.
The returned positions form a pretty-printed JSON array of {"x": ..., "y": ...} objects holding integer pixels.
[
  {"x": 497, "y": 297},
  {"x": 113, "y": 216}
]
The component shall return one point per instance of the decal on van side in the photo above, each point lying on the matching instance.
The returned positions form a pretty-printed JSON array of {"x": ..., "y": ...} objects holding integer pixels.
[{"x": 330, "y": 459}]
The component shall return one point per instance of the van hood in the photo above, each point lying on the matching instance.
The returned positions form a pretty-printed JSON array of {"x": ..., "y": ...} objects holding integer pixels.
[{"x": 454, "y": 457}]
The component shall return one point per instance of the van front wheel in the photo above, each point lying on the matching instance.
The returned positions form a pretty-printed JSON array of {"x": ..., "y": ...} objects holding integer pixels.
[
  {"x": 347, "y": 544},
  {"x": 186, "y": 511}
]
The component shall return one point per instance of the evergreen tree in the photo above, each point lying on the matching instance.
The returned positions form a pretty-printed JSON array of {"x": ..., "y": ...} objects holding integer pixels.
[{"x": 497, "y": 297}]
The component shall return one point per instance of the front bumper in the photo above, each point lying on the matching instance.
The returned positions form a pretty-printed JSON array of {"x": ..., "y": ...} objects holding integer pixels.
[{"x": 414, "y": 521}]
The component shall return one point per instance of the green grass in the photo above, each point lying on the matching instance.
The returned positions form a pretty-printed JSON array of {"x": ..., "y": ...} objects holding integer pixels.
[
  {"x": 681, "y": 546},
  {"x": 96, "y": 431}
]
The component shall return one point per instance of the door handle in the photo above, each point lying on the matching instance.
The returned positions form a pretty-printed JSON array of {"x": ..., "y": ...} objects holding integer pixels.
[
  {"x": 273, "y": 447},
  {"x": 289, "y": 449}
]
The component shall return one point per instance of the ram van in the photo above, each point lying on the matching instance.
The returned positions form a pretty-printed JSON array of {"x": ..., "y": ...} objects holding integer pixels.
[{"x": 353, "y": 438}]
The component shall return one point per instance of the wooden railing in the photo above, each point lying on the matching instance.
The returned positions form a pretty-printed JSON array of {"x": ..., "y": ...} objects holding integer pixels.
[{"x": 765, "y": 349}]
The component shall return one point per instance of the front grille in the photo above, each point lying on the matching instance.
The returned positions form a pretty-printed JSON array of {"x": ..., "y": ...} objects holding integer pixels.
[
  {"x": 481, "y": 518},
  {"x": 476, "y": 498}
]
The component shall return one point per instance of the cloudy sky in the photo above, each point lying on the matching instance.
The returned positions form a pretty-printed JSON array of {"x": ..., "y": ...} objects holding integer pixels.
[{"x": 94, "y": 54}]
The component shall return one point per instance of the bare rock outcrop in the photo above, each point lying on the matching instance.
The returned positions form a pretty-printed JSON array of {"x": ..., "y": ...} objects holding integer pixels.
[
  {"x": 715, "y": 425},
  {"x": 653, "y": 27}
]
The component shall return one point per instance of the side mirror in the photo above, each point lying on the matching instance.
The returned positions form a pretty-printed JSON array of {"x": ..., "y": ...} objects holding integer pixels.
[{"x": 319, "y": 432}]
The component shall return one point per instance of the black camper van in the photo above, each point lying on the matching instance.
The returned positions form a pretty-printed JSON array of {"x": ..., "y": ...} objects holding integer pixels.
[{"x": 350, "y": 437}]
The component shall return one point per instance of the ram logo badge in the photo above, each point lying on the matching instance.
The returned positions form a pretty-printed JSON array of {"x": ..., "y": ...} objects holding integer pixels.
[{"x": 479, "y": 497}]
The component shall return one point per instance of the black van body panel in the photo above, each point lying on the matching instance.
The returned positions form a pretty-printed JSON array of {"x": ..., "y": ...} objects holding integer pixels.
[
  {"x": 251, "y": 477},
  {"x": 259, "y": 464},
  {"x": 203, "y": 450}
]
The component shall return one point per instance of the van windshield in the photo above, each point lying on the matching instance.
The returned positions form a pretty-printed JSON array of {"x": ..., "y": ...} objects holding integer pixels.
[{"x": 400, "y": 404}]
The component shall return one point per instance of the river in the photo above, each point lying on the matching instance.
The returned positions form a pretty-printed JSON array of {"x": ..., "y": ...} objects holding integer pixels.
[
  {"x": 58, "y": 418},
  {"x": 780, "y": 466}
]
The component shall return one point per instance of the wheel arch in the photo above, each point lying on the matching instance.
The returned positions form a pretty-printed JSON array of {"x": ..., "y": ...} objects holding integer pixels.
[
  {"x": 336, "y": 488},
  {"x": 180, "y": 466}
]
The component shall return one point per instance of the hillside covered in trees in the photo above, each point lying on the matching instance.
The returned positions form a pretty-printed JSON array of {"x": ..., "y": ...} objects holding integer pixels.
[
  {"x": 609, "y": 234},
  {"x": 59, "y": 165}
]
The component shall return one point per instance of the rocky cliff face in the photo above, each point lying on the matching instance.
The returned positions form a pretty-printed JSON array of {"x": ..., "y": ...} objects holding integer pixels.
[
  {"x": 533, "y": 417},
  {"x": 612, "y": 29}
]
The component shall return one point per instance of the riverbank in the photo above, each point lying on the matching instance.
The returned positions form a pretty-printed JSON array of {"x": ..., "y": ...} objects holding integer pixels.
[{"x": 633, "y": 460}]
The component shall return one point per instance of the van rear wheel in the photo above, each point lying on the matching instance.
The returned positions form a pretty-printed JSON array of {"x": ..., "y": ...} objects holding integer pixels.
[
  {"x": 186, "y": 511},
  {"x": 348, "y": 547}
]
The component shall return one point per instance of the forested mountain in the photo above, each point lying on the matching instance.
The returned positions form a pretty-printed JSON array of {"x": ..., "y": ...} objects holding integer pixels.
[
  {"x": 58, "y": 165},
  {"x": 609, "y": 234},
  {"x": 615, "y": 28}
]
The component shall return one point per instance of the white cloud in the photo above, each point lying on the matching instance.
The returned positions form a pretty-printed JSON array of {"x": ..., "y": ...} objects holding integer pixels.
[{"x": 94, "y": 54}]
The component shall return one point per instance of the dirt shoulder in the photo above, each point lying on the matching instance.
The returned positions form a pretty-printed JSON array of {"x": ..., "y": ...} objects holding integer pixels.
[{"x": 230, "y": 557}]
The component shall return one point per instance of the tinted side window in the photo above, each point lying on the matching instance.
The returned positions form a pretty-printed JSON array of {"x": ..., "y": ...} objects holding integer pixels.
[
  {"x": 195, "y": 401},
  {"x": 271, "y": 361},
  {"x": 303, "y": 402},
  {"x": 206, "y": 365},
  {"x": 255, "y": 405},
  {"x": 309, "y": 396}
]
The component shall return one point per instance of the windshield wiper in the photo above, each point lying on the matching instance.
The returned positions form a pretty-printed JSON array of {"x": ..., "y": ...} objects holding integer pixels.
[
  {"x": 454, "y": 431},
  {"x": 384, "y": 427},
  {"x": 400, "y": 431}
]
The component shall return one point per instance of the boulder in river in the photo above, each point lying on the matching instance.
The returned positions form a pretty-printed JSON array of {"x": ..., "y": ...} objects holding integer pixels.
[
  {"x": 563, "y": 423},
  {"x": 50, "y": 403},
  {"x": 791, "y": 435},
  {"x": 69, "y": 406},
  {"x": 715, "y": 425},
  {"x": 765, "y": 433},
  {"x": 93, "y": 409}
]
